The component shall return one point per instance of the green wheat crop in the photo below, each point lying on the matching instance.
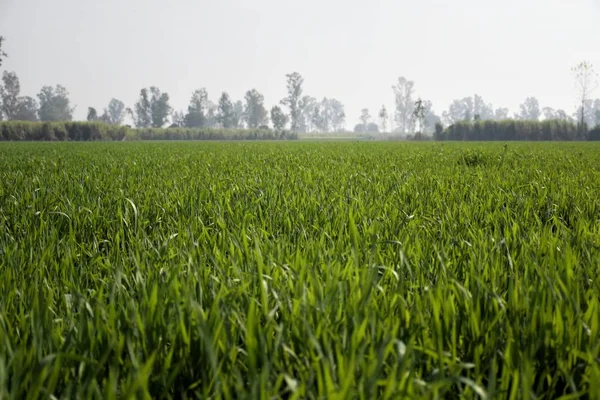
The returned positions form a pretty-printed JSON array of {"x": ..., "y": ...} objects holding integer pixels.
[{"x": 299, "y": 270}]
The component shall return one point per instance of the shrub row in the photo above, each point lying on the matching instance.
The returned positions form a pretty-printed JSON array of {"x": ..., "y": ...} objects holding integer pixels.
[
  {"x": 93, "y": 131},
  {"x": 594, "y": 134},
  {"x": 512, "y": 130},
  {"x": 208, "y": 134},
  {"x": 52, "y": 131}
]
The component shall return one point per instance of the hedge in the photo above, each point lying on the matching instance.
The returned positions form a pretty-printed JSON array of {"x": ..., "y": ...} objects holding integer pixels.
[
  {"x": 512, "y": 130},
  {"x": 92, "y": 131}
]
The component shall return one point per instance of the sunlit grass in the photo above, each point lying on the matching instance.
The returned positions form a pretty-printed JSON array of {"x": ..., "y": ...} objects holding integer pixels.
[{"x": 299, "y": 270}]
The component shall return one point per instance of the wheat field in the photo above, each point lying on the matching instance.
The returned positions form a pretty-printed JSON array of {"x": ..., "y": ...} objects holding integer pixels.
[{"x": 299, "y": 270}]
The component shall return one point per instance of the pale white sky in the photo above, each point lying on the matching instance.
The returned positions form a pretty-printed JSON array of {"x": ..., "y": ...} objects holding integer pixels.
[{"x": 348, "y": 49}]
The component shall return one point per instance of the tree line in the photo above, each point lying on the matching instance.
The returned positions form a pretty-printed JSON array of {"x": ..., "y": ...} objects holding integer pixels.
[
  {"x": 300, "y": 113},
  {"x": 415, "y": 116}
]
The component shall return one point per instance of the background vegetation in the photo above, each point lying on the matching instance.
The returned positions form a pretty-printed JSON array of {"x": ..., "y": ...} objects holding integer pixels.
[
  {"x": 94, "y": 131},
  {"x": 467, "y": 118},
  {"x": 513, "y": 130}
]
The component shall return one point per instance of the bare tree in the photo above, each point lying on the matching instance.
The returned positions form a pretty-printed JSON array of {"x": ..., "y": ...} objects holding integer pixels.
[
  {"x": 586, "y": 80},
  {"x": 403, "y": 92}
]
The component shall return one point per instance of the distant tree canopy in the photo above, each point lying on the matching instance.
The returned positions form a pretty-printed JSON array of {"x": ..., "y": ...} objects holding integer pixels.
[
  {"x": 255, "y": 113},
  {"x": 511, "y": 130},
  {"x": 197, "y": 109},
  {"x": 371, "y": 127},
  {"x": 55, "y": 104},
  {"x": 9, "y": 94},
  {"x": 530, "y": 109},
  {"x": 226, "y": 112},
  {"x": 92, "y": 114},
  {"x": 278, "y": 118},
  {"x": 14, "y": 107},
  {"x": 114, "y": 113},
  {"x": 470, "y": 108},
  {"x": 27, "y": 109},
  {"x": 152, "y": 108}
]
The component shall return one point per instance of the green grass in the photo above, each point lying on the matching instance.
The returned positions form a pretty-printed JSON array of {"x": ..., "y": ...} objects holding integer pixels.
[{"x": 299, "y": 270}]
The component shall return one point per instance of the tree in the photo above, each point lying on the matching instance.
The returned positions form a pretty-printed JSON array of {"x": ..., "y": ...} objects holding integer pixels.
[
  {"x": 469, "y": 108},
  {"x": 383, "y": 118},
  {"x": 178, "y": 119},
  {"x": 403, "y": 92},
  {"x": 325, "y": 115},
  {"x": 152, "y": 109},
  {"x": 211, "y": 115},
  {"x": 456, "y": 112},
  {"x": 27, "y": 109},
  {"x": 159, "y": 107},
  {"x": 143, "y": 111},
  {"x": 337, "y": 115},
  {"x": 365, "y": 117},
  {"x": 530, "y": 109},
  {"x": 562, "y": 115},
  {"x": 590, "y": 110},
  {"x": 481, "y": 108},
  {"x": 372, "y": 127},
  {"x": 225, "y": 113},
  {"x": 292, "y": 101},
  {"x": 438, "y": 131},
  {"x": 55, "y": 104},
  {"x": 238, "y": 115},
  {"x": 114, "y": 113},
  {"x": 307, "y": 109},
  {"x": 13, "y": 106},
  {"x": 328, "y": 114},
  {"x": 2, "y": 53},
  {"x": 92, "y": 114},
  {"x": 317, "y": 120},
  {"x": 255, "y": 113},
  {"x": 278, "y": 118},
  {"x": 419, "y": 114},
  {"x": 197, "y": 109},
  {"x": 9, "y": 94},
  {"x": 586, "y": 81},
  {"x": 549, "y": 113},
  {"x": 501, "y": 114},
  {"x": 431, "y": 119}
]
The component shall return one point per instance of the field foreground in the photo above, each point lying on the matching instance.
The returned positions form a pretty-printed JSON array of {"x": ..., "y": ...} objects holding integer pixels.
[{"x": 299, "y": 270}]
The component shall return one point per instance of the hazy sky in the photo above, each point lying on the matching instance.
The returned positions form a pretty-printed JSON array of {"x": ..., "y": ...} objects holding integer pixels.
[{"x": 348, "y": 49}]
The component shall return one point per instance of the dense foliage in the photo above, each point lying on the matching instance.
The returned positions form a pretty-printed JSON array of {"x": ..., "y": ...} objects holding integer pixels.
[
  {"x": 209, "y": 134},
  {"x": 594, "y": 134},
  {"x": 91, "y": 131},
  {"x": 299, "y": 270},
  {"x": 512, "y": 130}
]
